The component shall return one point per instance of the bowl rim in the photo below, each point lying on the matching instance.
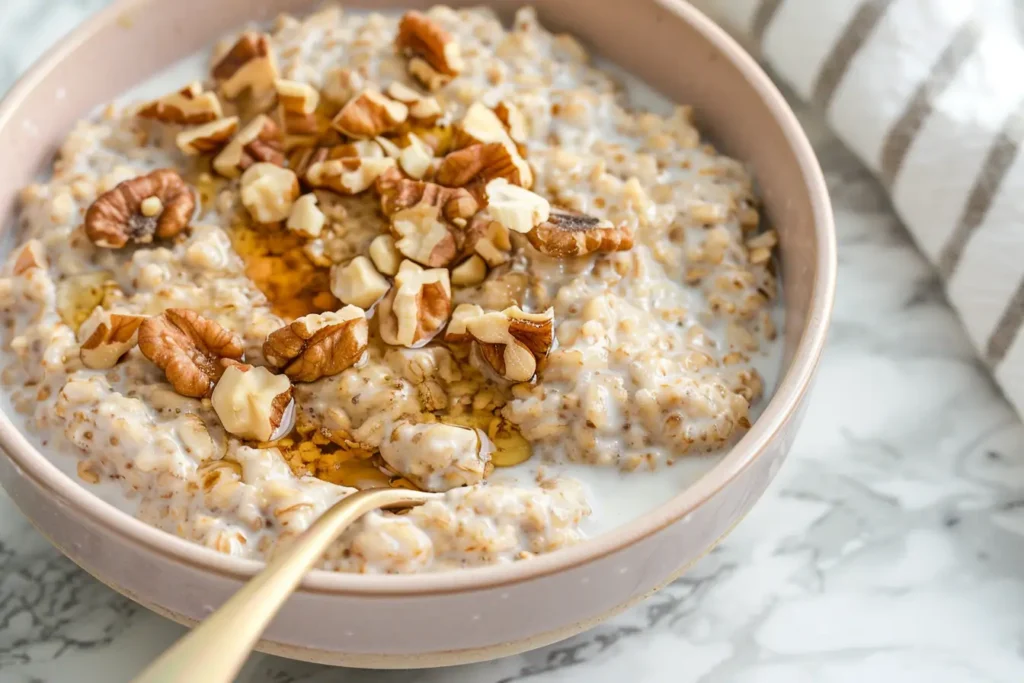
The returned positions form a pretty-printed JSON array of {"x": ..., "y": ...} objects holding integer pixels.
[{"x": 793, "y": 385}]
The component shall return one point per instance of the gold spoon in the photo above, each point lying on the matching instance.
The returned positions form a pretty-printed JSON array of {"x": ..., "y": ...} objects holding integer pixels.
[{"x": 216, "y": 649}]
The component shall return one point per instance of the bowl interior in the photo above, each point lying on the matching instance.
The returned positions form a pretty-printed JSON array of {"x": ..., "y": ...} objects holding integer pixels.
[{"x": 664, "y": 42}]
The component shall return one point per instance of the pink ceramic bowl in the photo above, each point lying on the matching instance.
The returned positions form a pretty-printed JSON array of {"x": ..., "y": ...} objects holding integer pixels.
[{"x": 444, "y": 618}]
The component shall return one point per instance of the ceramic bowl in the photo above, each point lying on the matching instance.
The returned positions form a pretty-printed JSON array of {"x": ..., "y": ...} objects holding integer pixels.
[{"x": 452, "y": 617}]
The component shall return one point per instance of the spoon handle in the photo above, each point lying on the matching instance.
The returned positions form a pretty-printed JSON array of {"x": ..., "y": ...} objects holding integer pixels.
[{"x": 216, "y": 649}]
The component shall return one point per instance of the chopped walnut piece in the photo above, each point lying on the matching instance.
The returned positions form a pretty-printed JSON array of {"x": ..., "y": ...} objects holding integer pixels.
[
  {"x": 188, "y": 106},
  {"x": 106, "y": 336},
  {"x": 421, "y": 234},
  {"x": 298, "y": 103},
  {"x": 416, "y": 157},
  {"x": 428, "y": 76},
  {"x": 30, "y": 256},
  {"x": 437, "y": 456},
  {"x": 480, "y": 126},
  {"x": 484, "y": 162},
  {"x": 258, "y": 141},
  {"x": 301, "y": 158},
  {"x": 208, "y": 138},
  {"x": 512, "y": 341},
  {"x": 567, "y": 233},
  {"x": 470, "y": 272},
  {"x": 306, "y": 218},
  {"x": 370, "y": 114},
  {"x": 489, "y": 239},
  {"x": 416, "y": 307},
  {"x": 516, "y": 208},
  {"x": 318, "y": 345},
  {"x": 341, "y": 84},
  {"x": 248, "y": 65},
  {"x": 358, "y": 283},
  {"x": 268, "y": 192},
  {"x": 116, "y": 217},
  {"x": 254, "y": 403},
  {"x": 191, "y": 350},
  {"x": 423, "y": 39},
  {"x": 384, "y": 255},
  {"x": 424, "y": 110},
  {"x": 348, "y": 175},
  {"x": 398, "y": 192},
  {"x": 513, "y": 120},
  {"x": 456, "y": 332}
]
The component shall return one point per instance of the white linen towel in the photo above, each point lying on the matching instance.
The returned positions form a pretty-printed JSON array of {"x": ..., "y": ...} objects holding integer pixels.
[{"x": 930, "y": 95}]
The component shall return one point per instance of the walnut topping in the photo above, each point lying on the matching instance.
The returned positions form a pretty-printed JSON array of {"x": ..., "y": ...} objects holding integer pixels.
[
  {"x": 470, "y": 272},
  {"x": 358, "y": 283},
  {"x": 397, "y": 193},
  {"x": 298, "y": 102},
  {"x": 512, "y": 341},
  {"x": 207, "y": 138},
  {"x": 188, "y": 106},
  {"x": 423, "y": 236},
  {"x": 341, "y": 84},
  {"x": 423, "y": 110},
  {"x": 107, "y": 336},
  {"x": 318, "y": 345},
  {"x": 416, "y": 307},
  {"x": 306, "y": 218},
  {"x": 431, "y": 78},
  {"x": 259, "y": 140},
  {"x": 416, "y": 157},
  {"x": 384, "y": 255},
  {"x": 489, "y": 239},
  {"x": 456, "y": 332},
  {"x": 567, "y": 233},
  {"x": 248, "y": 65},
  {"x": 116, "y": 217},
  {"x": 301, "y": 158},
  {"x": 516, "y": 208},
  {"x": 513, "y": 120},
  {"x": 370, "y": 114},
  {"x": 268, "y": 192},
  {"x": 191, "y": 350},
  {"x": 485, "y": 162},
  {"x": 419, "y": 36},
  {"x": 480, "y": 126},
  {"x": 254, "y": 403},
  {"x": 30, "y": 256},
  {"x": 348, "y": 175}
]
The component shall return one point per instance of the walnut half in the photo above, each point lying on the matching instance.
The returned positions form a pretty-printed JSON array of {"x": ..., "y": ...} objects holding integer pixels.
[
  {"x": 191, "y": 350},
  {"x": 318, "y": 345},
  {"x": 567, "y": 233},
  {"x": 513, "y": 341},
  {"x": 416, "y": 307},
  {"x": 158, "y": 204}
]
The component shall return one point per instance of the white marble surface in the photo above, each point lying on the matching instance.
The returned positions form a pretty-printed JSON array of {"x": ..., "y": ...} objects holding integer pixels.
[{"x": 890, "y": 548}]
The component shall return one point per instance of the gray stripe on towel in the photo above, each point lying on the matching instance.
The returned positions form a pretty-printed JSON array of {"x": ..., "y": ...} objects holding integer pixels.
[
  {"x": 852, "y": 39},
  {"x": 996, "y": 165},
  {"x": 1007, "y": 328},
  {"x": 922, "y": 103}
]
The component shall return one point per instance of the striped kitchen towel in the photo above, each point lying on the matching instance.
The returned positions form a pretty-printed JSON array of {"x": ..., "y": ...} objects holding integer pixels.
[{"x": 930, "y": 95}]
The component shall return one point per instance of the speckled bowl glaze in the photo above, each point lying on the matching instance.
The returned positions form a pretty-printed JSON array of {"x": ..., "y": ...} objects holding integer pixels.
[{"x": 474, "y": 614}]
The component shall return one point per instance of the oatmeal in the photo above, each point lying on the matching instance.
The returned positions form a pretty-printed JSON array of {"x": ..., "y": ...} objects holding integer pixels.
[{"x": 418, "y": 250}]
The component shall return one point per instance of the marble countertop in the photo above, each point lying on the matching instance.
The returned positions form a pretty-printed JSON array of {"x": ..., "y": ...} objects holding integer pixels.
[{"x": 890, "y": 547}]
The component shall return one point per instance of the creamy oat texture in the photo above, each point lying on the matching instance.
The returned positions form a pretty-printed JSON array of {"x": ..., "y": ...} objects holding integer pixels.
[{"x": 652, "y": 346}]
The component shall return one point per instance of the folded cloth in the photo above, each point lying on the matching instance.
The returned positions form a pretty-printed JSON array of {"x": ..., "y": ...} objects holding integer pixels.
[{"x": 930, "y": 95}]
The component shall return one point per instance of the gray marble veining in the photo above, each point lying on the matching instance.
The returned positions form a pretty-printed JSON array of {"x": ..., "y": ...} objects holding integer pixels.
[{"x": 891, "y": 547}]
